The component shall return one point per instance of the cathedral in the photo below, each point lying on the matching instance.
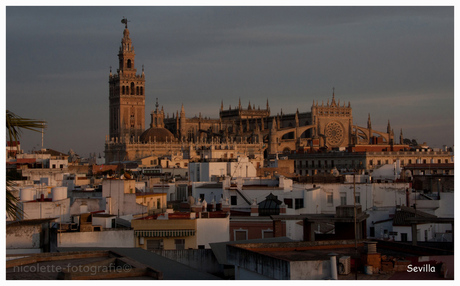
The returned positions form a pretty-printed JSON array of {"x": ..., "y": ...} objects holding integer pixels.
[{"x": 251, "y": 131}]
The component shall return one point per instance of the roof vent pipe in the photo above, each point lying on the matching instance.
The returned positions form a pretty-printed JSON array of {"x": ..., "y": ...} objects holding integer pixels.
[{"x": 334, "y": 275}]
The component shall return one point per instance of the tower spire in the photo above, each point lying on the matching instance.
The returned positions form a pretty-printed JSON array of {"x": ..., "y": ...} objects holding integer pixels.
[
  {"x": 125, "y": 21},
  {"x": 132, "y": 124}
]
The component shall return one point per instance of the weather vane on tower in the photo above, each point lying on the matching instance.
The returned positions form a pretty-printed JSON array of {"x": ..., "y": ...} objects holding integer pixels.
[{"x": 125, "y": 21}]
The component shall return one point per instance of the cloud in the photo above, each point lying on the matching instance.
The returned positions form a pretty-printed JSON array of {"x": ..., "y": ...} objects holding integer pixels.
[{"x": 402, "y": 100}]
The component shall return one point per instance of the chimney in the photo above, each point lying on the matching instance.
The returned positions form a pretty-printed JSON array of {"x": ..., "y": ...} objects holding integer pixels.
[
  {"x": 254, "y": 208},
  {"x": 283, "y": 208},
  {"x": 225, "y": 206}
]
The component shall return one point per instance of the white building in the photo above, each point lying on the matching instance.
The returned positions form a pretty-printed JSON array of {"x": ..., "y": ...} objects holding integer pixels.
[
  {"x": 36, "y": 204},
  {"x": 120, "y": 196},
  {"x": 212, "y": 171}
]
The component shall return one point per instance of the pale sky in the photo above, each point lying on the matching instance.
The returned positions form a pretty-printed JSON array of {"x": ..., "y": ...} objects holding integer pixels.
[{"x": 396, "y": 63}]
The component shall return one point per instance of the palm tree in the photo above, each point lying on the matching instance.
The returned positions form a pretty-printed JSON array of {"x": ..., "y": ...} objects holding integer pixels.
[{"x": 14, "y": 126}]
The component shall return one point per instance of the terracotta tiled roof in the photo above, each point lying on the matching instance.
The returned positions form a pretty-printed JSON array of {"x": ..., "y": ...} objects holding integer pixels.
[
  {"x": 405, "y": 212},
  {"x": 26, "y": 161}
]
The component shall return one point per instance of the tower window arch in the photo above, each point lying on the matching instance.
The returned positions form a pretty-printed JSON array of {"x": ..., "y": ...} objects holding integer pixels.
[
  {"x": 137, "y": 90},
  {"x": 132, "y": 88},
  {"x": 142, "y": 90},
  {"x": 123, "y": 90},
  {"x": 129, "y": 64},
  {"x": 127, "y": 90}
]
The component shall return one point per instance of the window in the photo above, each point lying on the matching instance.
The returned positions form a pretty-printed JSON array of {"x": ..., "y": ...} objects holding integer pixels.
[
  {"x": 371, "y": 162},
  {"x": 379, "y": 162},
  {"x": 241, "y": 234},
  {"x": 343, "y": 198},
  {"x": 158, "y": 204},
  {"x": 325, "y": 163},
  {"x": 233, "y": 200},
  {"x": 446, "y": 161},
  {"x": 298, "y": 204},
  {"x": 202, "y": 197},
  {"x": 358, "y": 198},
  {"x": 410, "y": 161},
  {"x": 306, "y": 164},
  {"x": 154, "y": 244},
  {"x": 372, "y": 231},
  {"x": 330, "y": 198},
  {"x": 403, "y": 236},
  {"x": 319, "y": 164},
  {"x": 288, "y": 203},
  {"x": 424, "y": 161},
  {"x": 267, "y": 233},
  {"x": 312, "y": 164},
  {"x": 332, "y": 164},
  {"x": 386, "y": 161},
  {"x": 180, "y": 244}
]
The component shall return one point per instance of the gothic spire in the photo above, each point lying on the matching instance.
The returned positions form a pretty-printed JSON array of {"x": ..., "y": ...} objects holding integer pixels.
[
  {"x": 274, "y": 123},
  {"x": 297, "y": 118},
  {"x": 333, "y": 97}
]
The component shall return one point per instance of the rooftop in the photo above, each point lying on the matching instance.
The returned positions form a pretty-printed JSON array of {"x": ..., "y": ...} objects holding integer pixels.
[
  {"x": 404, "y": 213},
  {"x": 171, "y": 270}
]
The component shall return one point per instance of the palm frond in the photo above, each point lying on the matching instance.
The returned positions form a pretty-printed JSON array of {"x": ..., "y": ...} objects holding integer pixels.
[
  {"x": 14, "y": 125},
  {"x": 12, "y": 209}
]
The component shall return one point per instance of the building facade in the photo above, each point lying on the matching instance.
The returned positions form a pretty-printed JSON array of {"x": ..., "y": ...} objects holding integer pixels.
[{"x": 254, "y": 130}]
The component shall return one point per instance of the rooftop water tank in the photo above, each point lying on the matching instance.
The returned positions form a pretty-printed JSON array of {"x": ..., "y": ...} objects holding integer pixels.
[
  {"x": 59, "y": 193},
  {"x": 26, "y": 194}
]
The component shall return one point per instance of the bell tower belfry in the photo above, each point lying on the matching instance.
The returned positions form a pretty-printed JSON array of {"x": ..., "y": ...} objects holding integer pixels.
[{"x": 126, "y": 94}]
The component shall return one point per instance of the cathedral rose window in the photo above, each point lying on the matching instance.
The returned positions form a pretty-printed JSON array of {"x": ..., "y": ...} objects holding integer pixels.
[{"x": 334, "y": 134}]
